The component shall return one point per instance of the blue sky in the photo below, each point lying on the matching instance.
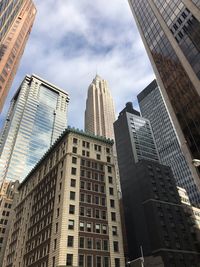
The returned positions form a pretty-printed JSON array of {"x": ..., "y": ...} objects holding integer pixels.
[{"x": 72, "y": 40}]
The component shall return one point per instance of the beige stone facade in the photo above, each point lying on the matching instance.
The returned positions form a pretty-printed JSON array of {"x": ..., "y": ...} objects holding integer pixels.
[
  {"x": 100, "y": 111},
  {"x": 8, "y": 197},
  {"x": 13, "y": 43},
  {"x": 68, "y": 210}
]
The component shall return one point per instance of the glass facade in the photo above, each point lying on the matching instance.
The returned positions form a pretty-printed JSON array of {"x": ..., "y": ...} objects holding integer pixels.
[
  {"x": 142, "y": 138},
  {"x": 153, "y": 107},
  {"x": 37, "y": 116},
  {"x": 172, "y": 33}
]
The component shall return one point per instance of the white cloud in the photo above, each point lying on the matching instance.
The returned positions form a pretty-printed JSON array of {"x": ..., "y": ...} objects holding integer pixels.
[{"x": 71, "y": 40}]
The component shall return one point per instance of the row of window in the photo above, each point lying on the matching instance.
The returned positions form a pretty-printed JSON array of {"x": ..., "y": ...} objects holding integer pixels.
[
  {"x": 87, "y": 145},
  {"x": 91, "y": 261}
]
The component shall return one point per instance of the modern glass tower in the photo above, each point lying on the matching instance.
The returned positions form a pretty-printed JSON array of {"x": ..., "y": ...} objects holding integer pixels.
[
  {"x": 36, "y": 118},
  {"x": 100, "y": 111},
  {"x": 171, "y": 33},
  {"x": 153, "y": 107},
  {"x": 16, "y": 20}
]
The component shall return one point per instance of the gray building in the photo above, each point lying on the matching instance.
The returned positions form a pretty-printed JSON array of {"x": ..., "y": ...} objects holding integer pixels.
[
  {"x": 171, "y": 34},
  {"x": 36, "y": 118},
  {"x": 153, "y": 107},
  {"x": 154, "y": 216}
]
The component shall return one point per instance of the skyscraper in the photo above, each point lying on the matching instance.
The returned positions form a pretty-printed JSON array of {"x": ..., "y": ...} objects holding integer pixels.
[
  {"x": 36, "y": 118},
  {"x": 154, "y": 216},
  {"x": 69, "y": 216},
  {"x": 171, "y": 34},
  {"x": 16, "y": 20},
  {"x": 100, "y": 111},
  {"x": 153, "y": 107}
]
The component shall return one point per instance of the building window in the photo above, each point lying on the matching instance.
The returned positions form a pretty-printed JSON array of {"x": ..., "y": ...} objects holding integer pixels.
[
  {"x": 82, "y": 211},
  {"x": 87, "y": 153},
  {"x": 104, "y": 229},
  {"x": 113, "y": 216},
  {"x": 108, "y": 159},
  {"x": 82, "y": 185},
  {"x": 114, "y": 230},
  {"x": 69, "y": 260},
  {"x": 89, "y": 261},
  {"x": 105, "y": 245},
  {"x": 53, "y": 262},
  {"x": 71, "y": 224},
  {"x": 97, "y": 228},
  {"x": 89, "y": 198},
  {"x": 88, "y": 212},
  {"x": 103, "y": 201},
  {"x": 106, "y": 262},
  {"x": 81, "y": 261},
  {"x": 103, "y": 214},
  {"x": 81, "y": 242},
  {"x": 89, "y": 243},
  {"x": 109, "y": 169},
  {"x": 71, "y": 209},
  {"x": 89, "y": 227},
  {"x": 107, "y": 150},
  {"x": 81, "y": 226},
  {"x": 98, "y": 157},
  {"x": 111, "y": 191},
  {"x": 72, "y": 195},
  {"x": 98, "y": 264},
  {"x": 112, "y": 203},
  {"x": 98, "y": 244},
  {"x": 75, "y": 141},
  {"x": 74, "y": 160},
  {"x": 70, "y": 241},
  {"x": 110, "y": 179},
  {"x": 74, "y": 150},
  {"x": 73, "y": 183},
  {"x": 55, "y": 244},
  {"x": 117, "y": 262},
  {"x": 116, "y": 246},
  {"x": 73, "y": 171}
]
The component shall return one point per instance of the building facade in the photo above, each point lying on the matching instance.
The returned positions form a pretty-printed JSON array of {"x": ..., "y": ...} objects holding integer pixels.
[
  {"x": 68, "y": 210},
  {"x": 170, "y": 31},
  {"x": 100, "y": 111},
  {"x": 16, "y": 20},
  {"x": 154, "y": 216},
  {"x": 36, "y": 118},
  {"x": 153, "y": 107},
  {"x": 8, "y": 197}
]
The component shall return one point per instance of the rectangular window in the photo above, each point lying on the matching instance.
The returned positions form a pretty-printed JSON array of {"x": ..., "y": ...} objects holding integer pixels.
[
  {"x": 106, "y": 262},
  {"x": 73, "y": 171},
  {"x": 70, "y": 241},
  {"x": 89, "y": 227},
  {"x": 110, "y": 179},
  {"x": 72, "y": 195},
  {"x": 104, "y": 229},
  {"x": 73, "y": 183},
  {"x": 112, "y": 203},
  {"x": 74, "y": 150},
  {"x": 89, "y": 261},
  {"x": 117, "y": 262},
  {"x": 89, "y": 243},
  {"x": 98, "y": 244},
  {"x": 98, "y": 264},
  {"x": 71, "y": 224},
  {"x": 98, "y": 157},
  {"x": 69, "y": 261},
  {"x": 81, "y": 242},
  {"x": 116, "y": 246},
  {"x": 111, "y": 191},
  {"x": 97, "y": 228},
  {"x": 71, "y": 209},
  {"x": 74, "y": 160},
  {"x": 81, "y": 261},
  {"x": 82, "y": 211},
  {"x": 75, "y": 141},
  {"x": 105, "y": 245},
  {"x": 114, "y": 230},
  {"x": 113, "y": 216},
  {"x": 81, "y": 226},
  {"x": 109, "y": 169}
]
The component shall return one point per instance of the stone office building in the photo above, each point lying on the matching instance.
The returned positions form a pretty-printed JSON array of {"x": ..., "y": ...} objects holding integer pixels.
[{"x": 68, "y": 210}]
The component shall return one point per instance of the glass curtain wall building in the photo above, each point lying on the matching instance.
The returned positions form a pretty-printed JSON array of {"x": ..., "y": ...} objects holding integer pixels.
[
  {"x": 171, "y": 33},
  {"x": 153, "y": 107},
  {"x": 36, "y": 118},
  {"x": 16, "y": 20}
]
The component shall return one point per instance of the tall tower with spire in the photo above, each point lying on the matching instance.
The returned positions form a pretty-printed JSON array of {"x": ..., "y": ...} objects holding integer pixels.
[{"x": 100, "y": 111}]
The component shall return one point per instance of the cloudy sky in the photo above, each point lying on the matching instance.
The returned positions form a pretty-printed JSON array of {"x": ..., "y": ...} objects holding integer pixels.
[{"x": 72, "y": 40}]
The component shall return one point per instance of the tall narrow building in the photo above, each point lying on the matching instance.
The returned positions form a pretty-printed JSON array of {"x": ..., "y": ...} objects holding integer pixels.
[
  {"x": 171, "y": 34},
  {"x": 100, "y": 111},
  {"x": 153, "y": 107},
  {"x": 154, "y": 216},
  {"x": 36, "y": 118},
  {"x": 68, "y": 210},
  {"x": 16, "y": 20}
]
